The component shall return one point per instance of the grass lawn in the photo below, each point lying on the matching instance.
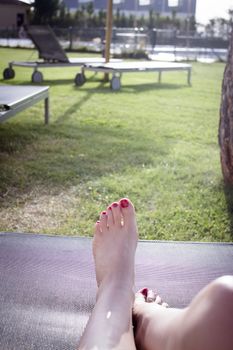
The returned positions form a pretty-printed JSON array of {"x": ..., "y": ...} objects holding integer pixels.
[{"x": 156, "y": 144}]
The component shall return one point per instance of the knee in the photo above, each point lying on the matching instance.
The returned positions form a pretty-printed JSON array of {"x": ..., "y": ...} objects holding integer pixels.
[
  {"x": 224, "y": 283},
  {"x": 222, "y": 290}
]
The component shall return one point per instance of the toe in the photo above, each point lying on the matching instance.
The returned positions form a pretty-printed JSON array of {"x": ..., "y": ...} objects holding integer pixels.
[
  {"x": 151, "y": 296},
  {"x": 165, "y": 305},
  {"x": 103, "y": 221},
  {"x": 127, "y": 210},
  {"x": 158, "y": 300},
  {"x": 116, "y": 212},
  {"x": 110, "y": 217},
  {"x": 97, "y": 228},
  {"x": 140, "y": 296}
]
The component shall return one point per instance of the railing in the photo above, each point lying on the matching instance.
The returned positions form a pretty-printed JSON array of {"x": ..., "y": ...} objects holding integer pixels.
[{"x": 92, "y": 39}]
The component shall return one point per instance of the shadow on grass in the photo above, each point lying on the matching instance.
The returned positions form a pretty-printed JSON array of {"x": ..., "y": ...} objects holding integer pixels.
[
  {"x": 66, "y": 154},
  {"x": 44, "y": 83},
  {"x": 65, "y": 81},
  {"x": 72, "y": 109},
  {"x": 131, "y": 88},
  {"x": 228, "y": 190},
  {"x": 61, "y": 155},
  {"x": 50, "y": 82},
  {"x": 103, "y": 85}
]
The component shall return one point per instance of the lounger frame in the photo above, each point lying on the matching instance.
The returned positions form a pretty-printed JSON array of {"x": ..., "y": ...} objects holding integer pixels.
[
  {"x": 14, "y": 99},
  {"x": 117, "y": 69}
]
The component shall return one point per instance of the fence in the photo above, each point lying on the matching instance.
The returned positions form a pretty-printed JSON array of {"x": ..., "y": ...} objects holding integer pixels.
[{"x": 123, "y": 39}]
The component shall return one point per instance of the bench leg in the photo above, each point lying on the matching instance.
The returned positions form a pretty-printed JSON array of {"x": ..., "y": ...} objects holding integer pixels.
[
  {"x": 160, "y": 77},
  {"x": 46, "y": 110},
  {"x": 189, "y": 76}
]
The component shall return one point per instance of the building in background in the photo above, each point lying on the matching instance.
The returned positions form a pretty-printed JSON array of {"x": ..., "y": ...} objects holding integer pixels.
[
  {"x": 13, "y": 13},
  {"x": 181, "y": 8}
]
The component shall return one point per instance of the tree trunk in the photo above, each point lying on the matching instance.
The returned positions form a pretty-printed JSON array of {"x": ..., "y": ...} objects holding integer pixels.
[{"x": 226, "y": 119}]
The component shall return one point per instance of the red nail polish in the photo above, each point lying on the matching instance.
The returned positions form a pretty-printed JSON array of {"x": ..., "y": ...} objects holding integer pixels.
[
  {"x": 124, "y": 203},
  {"x": 144, "y": 291},
  {"x": 115, "y": 205},
  {"x": 104, "y": 213},
  {"x": 98, "y": 222},
  {"x": 109, "y": 208}
]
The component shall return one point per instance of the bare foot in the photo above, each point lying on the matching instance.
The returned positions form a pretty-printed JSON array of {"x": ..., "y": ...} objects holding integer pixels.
[
  {"x": 153, "y": 322},
  {"x": 114, "y": 244},
  {"x": 146, "y": 295},
  {"x": 115, "y": 241}
]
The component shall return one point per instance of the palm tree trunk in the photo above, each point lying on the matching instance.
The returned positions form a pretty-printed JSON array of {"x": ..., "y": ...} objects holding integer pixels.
[{"x": 226, "y": 119}]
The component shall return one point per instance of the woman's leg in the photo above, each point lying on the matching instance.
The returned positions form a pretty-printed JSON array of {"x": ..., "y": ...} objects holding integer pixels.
[
  {"x": 207, "y": 324},
  {"x": 114, "y": 245}
]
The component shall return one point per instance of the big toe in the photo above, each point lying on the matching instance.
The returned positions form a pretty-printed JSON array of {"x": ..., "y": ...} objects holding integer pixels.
[
  {"x": 141, "y": 295},
  {"x": 128, "y": 211}
]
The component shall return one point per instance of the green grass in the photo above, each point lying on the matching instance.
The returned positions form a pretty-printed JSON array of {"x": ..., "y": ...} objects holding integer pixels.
[{"x": 156, "y": 144}]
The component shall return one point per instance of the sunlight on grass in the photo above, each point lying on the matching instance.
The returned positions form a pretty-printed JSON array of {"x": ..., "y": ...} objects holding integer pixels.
[{"x": 155, "y": 143}]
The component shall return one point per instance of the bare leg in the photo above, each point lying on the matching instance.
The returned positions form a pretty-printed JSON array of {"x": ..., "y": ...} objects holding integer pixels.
[
  {"x": 114, "y": 245},
  {"x": 154, "y": 323},
  {"x": 207, "y": 324}
]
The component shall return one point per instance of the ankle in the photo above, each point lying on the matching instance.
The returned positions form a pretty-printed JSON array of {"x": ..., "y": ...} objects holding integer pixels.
[{"x": 116, "y": 285}]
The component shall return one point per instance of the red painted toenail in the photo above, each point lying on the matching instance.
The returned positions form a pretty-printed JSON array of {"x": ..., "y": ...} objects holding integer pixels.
[
  {"x": 144, "y": 291},
  {"x": 115, "y": 205},
  {"x": 98, "y": 222},
  {"x": 124, "y": 203},
  {"x": 104, "y": 212},
  {"x": 109, "y": 208}
]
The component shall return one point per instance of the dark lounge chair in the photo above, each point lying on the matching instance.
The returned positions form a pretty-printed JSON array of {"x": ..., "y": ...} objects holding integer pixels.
[
  {"x": 51, "y": 54},
  {"x": 48, "y": 283}
]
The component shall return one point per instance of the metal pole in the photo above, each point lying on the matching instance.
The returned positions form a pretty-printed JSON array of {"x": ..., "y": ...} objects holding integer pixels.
[
  {"x": 46, "y": 107},
  {"x": 108, "y": 35},
  {"x": 188, "y": 24},
  {"x": 135, "y": 13},
  {"x": 163, "y": 8}
]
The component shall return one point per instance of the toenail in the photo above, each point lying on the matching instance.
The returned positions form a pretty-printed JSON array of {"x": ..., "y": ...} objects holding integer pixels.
[
  {"x": 98, "y": 222},
  {"x": 104, "y": 212},
  {"x": 109, "y": 208},
  {"x": 124, "y": 203},
  {"x": 115, "y": 205},
  {"x": 144, "y": 291}
]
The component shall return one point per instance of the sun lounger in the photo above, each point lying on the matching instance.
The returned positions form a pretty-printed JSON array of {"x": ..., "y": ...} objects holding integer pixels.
[
  {"x": 48, "y": 283},
  {"x": 116, "y": 69},
  {"x": 51, "y": 54},
  {"x": 14, "y": 99}
]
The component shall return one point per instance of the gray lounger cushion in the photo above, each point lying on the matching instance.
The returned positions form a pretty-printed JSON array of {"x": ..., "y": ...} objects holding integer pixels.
[{"x": 47, "y": 283}]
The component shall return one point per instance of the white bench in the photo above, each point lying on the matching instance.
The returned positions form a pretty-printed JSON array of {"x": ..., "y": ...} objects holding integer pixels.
[{"x": 14, "y": 99}]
